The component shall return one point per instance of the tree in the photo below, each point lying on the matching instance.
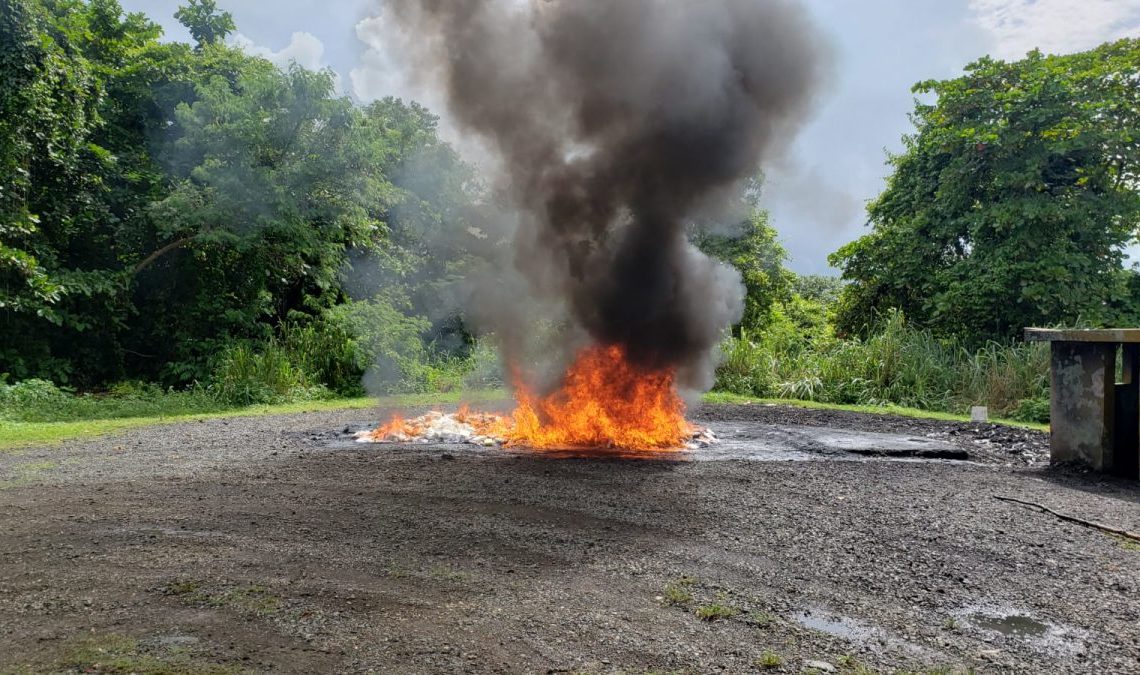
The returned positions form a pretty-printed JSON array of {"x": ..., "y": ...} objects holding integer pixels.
[
  {"x": 207, "y": 25},
  {"x": 43, "y": 122},
  {"x": 1011, "y": 203},
  {"x": 160, "y": 203},
  {"x": 818, "y": 288},
  {"x": 274, "y": 179},
  {"x": 755, "y": 251}
]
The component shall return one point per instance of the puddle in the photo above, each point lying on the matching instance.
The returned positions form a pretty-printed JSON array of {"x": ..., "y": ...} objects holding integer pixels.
[
  {"x": 1020, "y": 625},
  {"x": 857, "y": 632},
  {"x": 1014, "y": 625},
  {"x": 837, "y": 626}
]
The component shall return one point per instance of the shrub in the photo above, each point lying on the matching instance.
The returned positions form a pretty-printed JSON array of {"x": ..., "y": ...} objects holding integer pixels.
[
  {"x": 244, "y": 376},
  {"x": 746, "y": 368},
  {"x": 326, "y": 351},
  {"x": 389, "y": 343},
  {"x": 896, "y": 364},
  {"x": 1032, "y": 410},
  {"x": 30, "y": 393}
]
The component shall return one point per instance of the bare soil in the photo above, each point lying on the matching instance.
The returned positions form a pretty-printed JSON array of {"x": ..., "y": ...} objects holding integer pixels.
[{"x": 272, "y": 545}]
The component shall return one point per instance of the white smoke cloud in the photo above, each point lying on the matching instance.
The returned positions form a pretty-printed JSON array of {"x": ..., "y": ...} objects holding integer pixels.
[{"x": 1055, "y": 26}]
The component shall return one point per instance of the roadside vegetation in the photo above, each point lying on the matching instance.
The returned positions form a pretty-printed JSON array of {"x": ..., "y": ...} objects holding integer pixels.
[
  {"x": 190, "y": 230},
  {"x": 897, "y": 364}
]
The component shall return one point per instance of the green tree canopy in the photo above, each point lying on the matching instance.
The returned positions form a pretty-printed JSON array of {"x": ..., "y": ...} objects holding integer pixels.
[
  {"x": 159, "y": 203},
  {"x": 207, "y": 25},
  {"x": 755, "y": 251},
  {"x": 1012, "y": 202}
]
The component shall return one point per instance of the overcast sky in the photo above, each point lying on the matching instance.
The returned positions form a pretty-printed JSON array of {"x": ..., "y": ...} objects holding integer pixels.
[{"x": 818, "y": 190}]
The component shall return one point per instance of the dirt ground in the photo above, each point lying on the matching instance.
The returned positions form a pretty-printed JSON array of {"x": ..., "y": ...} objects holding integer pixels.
[{"x": 274, "y": 545}]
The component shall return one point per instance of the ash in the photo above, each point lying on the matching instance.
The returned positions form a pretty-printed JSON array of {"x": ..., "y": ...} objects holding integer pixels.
[{"x": 434, "y": 427}]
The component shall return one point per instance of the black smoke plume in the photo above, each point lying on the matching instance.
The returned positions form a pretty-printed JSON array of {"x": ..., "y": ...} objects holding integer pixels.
[{"x": 616, "y": 122}]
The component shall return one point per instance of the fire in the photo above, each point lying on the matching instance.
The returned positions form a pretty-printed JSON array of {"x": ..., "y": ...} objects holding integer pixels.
[{"x": 604, "y": 402}]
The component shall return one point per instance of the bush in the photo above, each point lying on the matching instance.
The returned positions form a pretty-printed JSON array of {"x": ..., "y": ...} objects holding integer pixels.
[
  {"x": 41, "y": 401},
  {"x": 30, "y": 393},
  {"x": 245, "y": 377},
  {"x": 483, "y": 369},
  {"x": 327, "y": 353},
  {"x": 390, "y": 346},
  {"x": 747, "y": 368},
  {"x": 798, "y": 358},
  {"x": 1032, "y": 410}
]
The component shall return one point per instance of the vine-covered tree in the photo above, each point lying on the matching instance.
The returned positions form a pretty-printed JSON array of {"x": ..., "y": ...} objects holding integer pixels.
[{"x": 1012, "y": 203}]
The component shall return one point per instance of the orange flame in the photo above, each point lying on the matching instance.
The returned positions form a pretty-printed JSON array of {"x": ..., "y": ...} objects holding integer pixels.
[{"x": 604, "y": 402}]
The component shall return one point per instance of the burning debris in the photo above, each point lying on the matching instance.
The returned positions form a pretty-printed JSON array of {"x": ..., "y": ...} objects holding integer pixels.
[
  {"x": 437, "y": 427},
  {"x": 605, "y": 402},
  {"x": 615, "y": 125},
  {"x": 467, "y": 428}
]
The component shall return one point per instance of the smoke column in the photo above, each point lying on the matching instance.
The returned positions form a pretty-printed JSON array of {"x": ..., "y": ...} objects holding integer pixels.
[{"x": 615, "y": 122}]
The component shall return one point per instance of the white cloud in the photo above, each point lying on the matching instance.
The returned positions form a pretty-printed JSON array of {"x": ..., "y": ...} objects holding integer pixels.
[
  {"x": 1055, "y": 26},
  {"x": 304, "y": 49}
]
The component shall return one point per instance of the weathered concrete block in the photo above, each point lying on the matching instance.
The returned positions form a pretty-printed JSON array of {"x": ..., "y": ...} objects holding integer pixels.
[{"x": 1082, "y": 407}]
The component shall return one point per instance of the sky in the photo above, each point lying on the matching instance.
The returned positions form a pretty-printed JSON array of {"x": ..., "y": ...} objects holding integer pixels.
[{"x": 817, "y": 189}]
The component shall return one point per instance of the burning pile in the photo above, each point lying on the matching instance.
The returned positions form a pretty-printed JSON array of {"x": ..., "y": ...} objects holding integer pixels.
[
  {"x": 612, "y": 128},
  {"x": 604, "y": 402}
]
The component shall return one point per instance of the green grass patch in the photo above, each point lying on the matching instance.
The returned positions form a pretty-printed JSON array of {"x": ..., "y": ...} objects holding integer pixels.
[
  {"x": 678, "y": 592},
  {"x": 120, "y": 655},
  {"x": 719, "y": 397},
  {"x": 24, "y": 434},
  {"x": 769, "y": 659},
  {"x": 249, "y": 599},
  {"x": 1127, "y": 544},
  {"x": 716, "y": 612},
  {"x": 849, "y": 665}
]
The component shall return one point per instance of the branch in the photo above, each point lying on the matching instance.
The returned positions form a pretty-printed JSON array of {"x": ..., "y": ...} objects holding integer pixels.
[
  {"x": 150, "y": 259},
  {"x": 1073, "y": 519}
]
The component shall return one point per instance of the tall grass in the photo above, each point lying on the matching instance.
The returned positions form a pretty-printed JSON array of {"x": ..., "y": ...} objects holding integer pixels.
[
  {"x": 246, "y": 376},
  {"x": 897, "y": 365}
]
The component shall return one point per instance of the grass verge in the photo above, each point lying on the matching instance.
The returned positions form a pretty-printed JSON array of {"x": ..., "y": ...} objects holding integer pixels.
[
  {"x": 23, "y": 434},
  {"x": 897, "y": 411}
]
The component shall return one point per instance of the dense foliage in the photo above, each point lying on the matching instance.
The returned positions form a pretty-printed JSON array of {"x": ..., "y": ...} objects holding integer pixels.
[
  {"x": 1012, "y": 202},
  {"x": 230, "y": 232},
  {"x": 164, "y": 205},
  {"x": 799, "y": 357}
]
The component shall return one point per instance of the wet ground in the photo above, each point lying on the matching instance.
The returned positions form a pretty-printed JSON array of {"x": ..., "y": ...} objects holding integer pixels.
[{"x": 274, "y": 545}]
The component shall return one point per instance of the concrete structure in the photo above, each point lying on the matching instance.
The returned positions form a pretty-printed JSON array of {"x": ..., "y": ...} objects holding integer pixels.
[{"x": 1095, "y": 419}]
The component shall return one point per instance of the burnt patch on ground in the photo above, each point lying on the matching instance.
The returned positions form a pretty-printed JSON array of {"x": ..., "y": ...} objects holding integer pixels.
[{"x": 983, "y": 442}]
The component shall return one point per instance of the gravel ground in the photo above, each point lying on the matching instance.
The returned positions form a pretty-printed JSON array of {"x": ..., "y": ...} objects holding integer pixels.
[{"x": 270, "y": 545}]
